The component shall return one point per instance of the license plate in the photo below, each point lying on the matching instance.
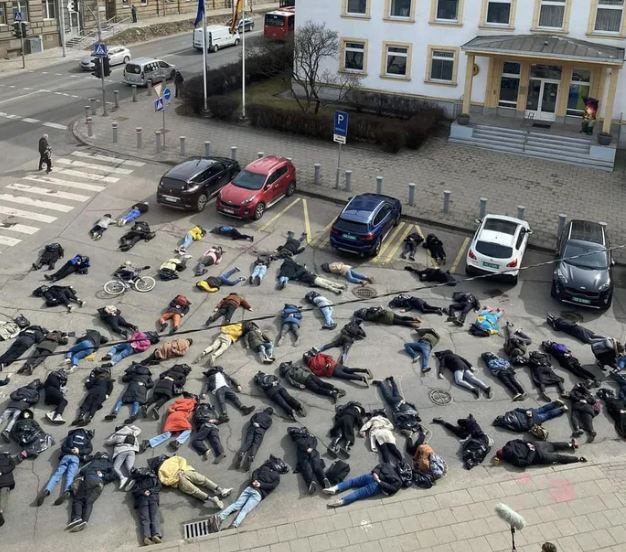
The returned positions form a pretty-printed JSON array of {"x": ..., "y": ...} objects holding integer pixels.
[
  {"x": 581, "y": 300},
  {"x": 349, "y": 237},
  {"x": 491, "y": 265},
  {"x": 228, "y": 210},
  {"x": 172, "y": 199}
]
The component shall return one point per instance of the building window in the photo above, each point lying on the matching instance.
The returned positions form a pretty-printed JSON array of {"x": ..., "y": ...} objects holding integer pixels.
[
  {"x": 354, "y": 56},
  {"x": 552, "y": 14},
  {"x": 22, "y": 7},
  {"x": 400, "y": 8},
  {"x": 48, "y": 9},
  {"x": 447, "y": 10},
  {"x": 609, "y": 16},
  {"x": 509, "y": 84},
  {"x": 356, "y": 7},
  {"x": 397, "y": 60},
  {"x": 3, "y": 14},
  {"x": 498, "y": 12},
  {"x": 442, "y": 65},
  {"x": 579, "y": 88}
]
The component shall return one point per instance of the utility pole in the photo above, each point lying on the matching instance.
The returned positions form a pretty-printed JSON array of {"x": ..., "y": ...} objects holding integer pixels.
[
  {"x": 61, "y": 12},
  {"x": 243, "y": 61},
  {"x": 104, "y": 103},
  {"x": 23, "y": 27}
]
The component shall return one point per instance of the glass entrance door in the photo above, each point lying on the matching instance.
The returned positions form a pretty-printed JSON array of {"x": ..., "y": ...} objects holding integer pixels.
[{"x": 542, "y": 98}]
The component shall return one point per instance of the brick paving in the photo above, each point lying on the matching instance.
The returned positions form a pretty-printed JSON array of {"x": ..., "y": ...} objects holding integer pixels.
[{"x": 545, "y": 188}]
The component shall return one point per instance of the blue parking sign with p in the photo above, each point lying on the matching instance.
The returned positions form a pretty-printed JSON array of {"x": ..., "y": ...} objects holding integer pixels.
[{"x": 340, "y": 127}]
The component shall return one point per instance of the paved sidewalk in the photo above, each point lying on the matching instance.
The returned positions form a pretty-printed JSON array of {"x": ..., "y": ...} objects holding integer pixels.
[
  {"x": 579, "y": 508},
  {"x": 544, "y": 188}
]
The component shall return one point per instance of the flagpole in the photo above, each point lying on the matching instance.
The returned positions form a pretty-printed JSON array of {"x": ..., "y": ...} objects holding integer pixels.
[
  {"x": 204, "y": 58},
  {"x": 243, "y": 62}
]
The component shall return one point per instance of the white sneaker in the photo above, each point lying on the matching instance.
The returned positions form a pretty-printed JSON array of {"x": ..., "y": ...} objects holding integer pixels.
[
  {"x": 123, "y": 482},
  {"x": 225, "y": 492},
  {"x": 50, "y": 416}
]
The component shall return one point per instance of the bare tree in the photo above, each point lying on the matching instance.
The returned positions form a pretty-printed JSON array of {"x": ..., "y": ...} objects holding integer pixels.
[{"x": 313, "y": 42}]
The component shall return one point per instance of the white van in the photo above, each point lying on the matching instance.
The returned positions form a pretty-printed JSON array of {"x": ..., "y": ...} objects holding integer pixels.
[{"x": 217, "y": 36}]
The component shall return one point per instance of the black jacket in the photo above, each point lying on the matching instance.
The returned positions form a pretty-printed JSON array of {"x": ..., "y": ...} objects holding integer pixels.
[
  {"x": 351, "y": 409},
  {"x": 145, "y": 481},
  {"x": 263, "y": 419},
  {"x": 100, "y": 463},
  {"x": 95, "y": 336},
  {"x": 465, "y": 297},
  {"x": 541, "y": 371},
  {"x": 616, "y": 408},
  {"x": 390, "y": 481},
  {"x": 25, "y": 397},
  {"x": 204, "y": 413},
  {"x": 353, "y": 330},
  {"x": 99, "y": 383},
  {"x": 269, "y": 383},
  {"x": 210, "y": 379},
  {"x": 7, "y": 465},
  {"x": 451, "y": 361},
  {"x": 516, "y": 420},
  {"x": 55, "y": 380},
  {"x": 267, "y": 477},
  {"x": 32, "y": 334},
  {"x": 29, "y": 436},
  {"x": 139, "y": 380},
  {"x": 291, "y": 269},
  {"x": 172, "y": 381},
  {"x": 52, "y": 340},
  {"x": 81, "y": 439},
  {"x": 518, "y": 453}
]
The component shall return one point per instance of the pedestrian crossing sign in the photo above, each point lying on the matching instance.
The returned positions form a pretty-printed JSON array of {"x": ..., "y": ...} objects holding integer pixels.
[
  {"x": 158, "y": 104},
  {"x": 100, "y": 50},
  {"x": 18, "y": 17}
]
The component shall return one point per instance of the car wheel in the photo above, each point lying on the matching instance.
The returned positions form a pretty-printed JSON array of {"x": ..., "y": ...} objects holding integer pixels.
[
  {"x": 260, "y": 209},
  {"x": 553, "y": 292},
  {"x": 201, "y": 202},
  {"x": 237, "y": 41},
  {"x": 251, "y": 27},
  {"x": 513, "y": 279},
  {"x": 126, "y": 60},
  {"x": 376, "y": 250},
  {"x": 215, "y": 48},
  {"x": 608, "y": 305},
  {"x": 469, "y": 270},
  {"x": 290, "y": 189},
  {"x": 397, "y": 221},
  {"x": 172, "y": 75}
]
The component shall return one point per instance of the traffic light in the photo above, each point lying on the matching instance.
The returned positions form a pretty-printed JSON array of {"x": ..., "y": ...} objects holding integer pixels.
[
  {"x": 97, "y": 67},
  {"x": 19, "y": 29},
  {"x": 106, "y": 66},
  {"x": 73, "y": 5}
]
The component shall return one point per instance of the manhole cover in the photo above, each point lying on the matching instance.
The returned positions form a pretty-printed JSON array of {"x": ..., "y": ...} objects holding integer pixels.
[
  {"x": 439, "y": 397},
  {"x": 364, "y": 292}
]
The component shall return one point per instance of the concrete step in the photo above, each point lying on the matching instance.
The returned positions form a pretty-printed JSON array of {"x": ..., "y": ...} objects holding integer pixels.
[
  {"x": 557, "y": 148},
  {"x": 501, "y": 130},
  {"x": 496, "y": 138},
  {"x": 489, "y": 144},
  {"x": 559, "y": 138}
]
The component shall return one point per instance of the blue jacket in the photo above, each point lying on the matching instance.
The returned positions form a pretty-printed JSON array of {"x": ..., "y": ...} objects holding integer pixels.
[{"x": 291, "y": 313}]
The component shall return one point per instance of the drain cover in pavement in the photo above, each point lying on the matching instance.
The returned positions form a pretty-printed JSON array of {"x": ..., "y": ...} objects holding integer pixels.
[
  {"x": 364, "y": 292},
  {"x": 439, "y": 397}
]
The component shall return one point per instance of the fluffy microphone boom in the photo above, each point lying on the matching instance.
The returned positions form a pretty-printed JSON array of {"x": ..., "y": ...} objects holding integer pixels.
[{"x": 510, "y": 516}]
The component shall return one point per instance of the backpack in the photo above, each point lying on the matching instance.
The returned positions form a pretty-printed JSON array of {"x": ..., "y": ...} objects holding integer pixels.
[
  {"x": 405, "y": 471},
  {"x": 438, "y": 466},
  {"x": 337, "y": 472},
  {"x": 477, "y": 331},
  {"x": 153, "y": 336}
]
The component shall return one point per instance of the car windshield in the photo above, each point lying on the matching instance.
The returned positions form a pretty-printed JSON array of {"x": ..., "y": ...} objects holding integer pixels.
[
  {"x": 172, "y": 184},
  {"x": 501, "y": 225},
  {"x": 132, "y": 68},
  {"x": 494, "y": 250},
  {"x": 591, "y": 257},
  {"x": 249, "y": 180}
]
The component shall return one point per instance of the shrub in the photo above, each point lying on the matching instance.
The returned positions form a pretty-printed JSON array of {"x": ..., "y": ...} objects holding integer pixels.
[
  {"x": 223, "y": 107},
  {"x": 287, "y": 120},
  {"x": 391, "y": 137}
]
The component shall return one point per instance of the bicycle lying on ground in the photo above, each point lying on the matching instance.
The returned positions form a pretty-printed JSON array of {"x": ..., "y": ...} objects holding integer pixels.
[{"x": 120, "y": 285}]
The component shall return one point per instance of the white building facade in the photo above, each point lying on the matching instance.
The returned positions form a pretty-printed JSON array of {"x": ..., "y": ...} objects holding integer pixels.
[{"x": 523, "y": 58}]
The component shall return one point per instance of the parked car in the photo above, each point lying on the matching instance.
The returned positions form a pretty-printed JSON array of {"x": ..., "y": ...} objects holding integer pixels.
[
  {"x": 141, "y": 70},
  {"x": 260, "y": 185},
  {"x": 364, "y": 223},
  {"x": 583, "y": 273},
  {"x": 498, "y": 247},
  {"x": 190, "y": 184},
  {"x": 217, "y": 36},
  {"x": 245, "y": 25},
  {"x": 118, "y": 55}
]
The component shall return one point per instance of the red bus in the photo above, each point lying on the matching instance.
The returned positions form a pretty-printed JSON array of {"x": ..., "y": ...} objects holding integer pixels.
[{"x": 279, "y": 24}]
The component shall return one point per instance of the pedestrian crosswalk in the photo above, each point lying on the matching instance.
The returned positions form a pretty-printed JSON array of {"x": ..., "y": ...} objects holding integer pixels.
[{"x": 38, "y": 199}]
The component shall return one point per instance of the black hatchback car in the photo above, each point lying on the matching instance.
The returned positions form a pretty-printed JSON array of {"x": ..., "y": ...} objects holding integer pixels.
[
  {"x": 583, "y": 273},
  {"x": 190, "y": 184}
]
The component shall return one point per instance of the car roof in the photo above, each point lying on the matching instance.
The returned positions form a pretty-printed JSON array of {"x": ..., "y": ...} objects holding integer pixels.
[
  {"x": 266, "y": 164},
  {"x": 587, "y": 231},
  {"x": 144, "y": 60},
  {"x": 362, "y": 208},
  {"x": 191, "y": 167},
  {"x": 501, "y": 238}
]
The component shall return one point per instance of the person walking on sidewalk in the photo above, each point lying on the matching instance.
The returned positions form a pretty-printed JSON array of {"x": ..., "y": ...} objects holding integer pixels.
[
  {"x": 178, "y": 83},
  {"x": 133, "y": 13},
  {"x": 45, "y": 153}
]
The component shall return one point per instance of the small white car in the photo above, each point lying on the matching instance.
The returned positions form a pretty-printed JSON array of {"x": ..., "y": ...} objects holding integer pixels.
[
  {"x": 118, "y": 55},
  {"x": 498, "y": 246}
]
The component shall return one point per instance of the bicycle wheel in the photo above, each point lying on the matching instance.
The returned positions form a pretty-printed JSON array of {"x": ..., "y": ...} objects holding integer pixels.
[
  {"x": 144, "y": 283},
  {"x": 114, "y": 287}
]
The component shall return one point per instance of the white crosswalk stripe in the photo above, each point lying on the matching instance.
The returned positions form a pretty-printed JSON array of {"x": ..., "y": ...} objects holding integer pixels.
[
  {"x": 5, "y": 240},
  {"x": 30, "y": 202},
  {"x": 66, "y": 183},
  {"x": 29, "y": 215},
  {"x": 108, "y": 159},
  {"x": 89, "y": 176},
  {"x": 47, "y": 192},
  {"x": 92, "y": 166},
  {"x": 21, "y": 228}
]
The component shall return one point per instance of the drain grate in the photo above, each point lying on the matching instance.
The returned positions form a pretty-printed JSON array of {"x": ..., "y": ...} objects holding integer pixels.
[
  {"x": 439, "y": 397},
  {"x": 364, "y": 292},
  {"x": 195, "y": 529}
]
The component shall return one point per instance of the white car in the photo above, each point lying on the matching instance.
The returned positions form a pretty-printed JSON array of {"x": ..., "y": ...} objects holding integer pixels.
[
  {"x": 118, "y": 55},
  {"x": 498, "y": 246}
]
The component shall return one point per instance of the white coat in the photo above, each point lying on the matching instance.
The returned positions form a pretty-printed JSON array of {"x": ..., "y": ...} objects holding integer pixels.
[{"x": 381, "y": 431}]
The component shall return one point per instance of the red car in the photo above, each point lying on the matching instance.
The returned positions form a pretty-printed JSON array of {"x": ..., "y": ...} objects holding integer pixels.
[{"x": 256, "y": 188}]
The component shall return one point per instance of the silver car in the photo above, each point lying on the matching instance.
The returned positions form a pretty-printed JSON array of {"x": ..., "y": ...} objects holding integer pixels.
[{"x": 118, "y": 55}]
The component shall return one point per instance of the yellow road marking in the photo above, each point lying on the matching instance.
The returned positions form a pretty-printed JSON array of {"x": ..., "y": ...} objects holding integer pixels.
[
  {"x": 396, "y": 245},
  {"x": 319, "y": 238},
  {"x": 459, "y": 255},
  {"x": 278, "y": 215},
  {"x": 388, "y": 242},
  {"x": 307, "y": 224}
]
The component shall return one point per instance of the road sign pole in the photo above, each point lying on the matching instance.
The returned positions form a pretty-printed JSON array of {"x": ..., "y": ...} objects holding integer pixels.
[
  {"x": 338, "y": 168},
  {"x": 61, "y": 12},
  {"x": 163, "y": 131},
  {"x": 104, "y": 102},
  {"x": 22, "y": 46}
]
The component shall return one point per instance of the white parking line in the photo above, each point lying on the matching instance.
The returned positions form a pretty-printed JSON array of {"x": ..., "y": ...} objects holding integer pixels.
[
  {"x": 108, "y": 159},
  {"x": 21, "y": 228},
  {"x": 25, "y": 214},
  {"x": 29, "y": 120},
  {"x": 83, "y": 165},
  {"x": 66, "y": 183},
  {"x": 30, "y": 202},
  {"x": 5, "y": 240},
  {"x": 55, "y": 125},
  {"x": 89, "y": 176},
  {"x": 47, "y": 192}
]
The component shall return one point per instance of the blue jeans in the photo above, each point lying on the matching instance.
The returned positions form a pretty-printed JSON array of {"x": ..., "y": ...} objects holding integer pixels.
[
  {"x": 419, "y": 347},
  {"x": 68, "y": 465},
  {"x": 365, "y": 486},
  {"x": 621, "y": 362},
  {"x": 134, "y": 407},
  {"x": 224, "y": 277},
  {"x": 120, "y": 351},
  {"x": 158, "y": 439},
  {"x": 267, "y": 348},
  {"x": 80, "y": 350},
  {"x": 259, "y": 271},
  {"x": 247, "y": 501},
  {"x": 548, "y": 411},
  {"x": 186, "y": 241},
  {"x": 327, "y": 313},
  {"x": 355, "y": 277}
]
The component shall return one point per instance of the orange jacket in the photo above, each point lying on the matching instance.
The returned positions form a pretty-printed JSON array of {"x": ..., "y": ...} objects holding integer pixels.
[{"x": 179, "y": 415}]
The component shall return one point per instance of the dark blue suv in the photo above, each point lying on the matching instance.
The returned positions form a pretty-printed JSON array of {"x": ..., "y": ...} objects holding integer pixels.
[{"x": 364, "y": 223}]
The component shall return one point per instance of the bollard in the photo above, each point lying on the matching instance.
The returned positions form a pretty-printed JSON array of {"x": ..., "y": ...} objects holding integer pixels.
[
  {"x": 379, "y": 184},
  {"x": 139, "y": 130},
  {"x": 134, "y": 90},
  {"x": 446, "y": 201},
  {"x": 521, "y": 212},
  {"x": 562, "y": 220},
  {"x": 116, "y": 99},
  {"x": 348, "y": 184},
  {"x": 92, "y": 103},
  {"x": 157, "y": 139},
  {"x": 114, "y": 129},
  {"x": 182, "y": 145},
  {"x": 233, "y": 153},
  {"x": 411, "y": 194},
  {"x": 316, "y": 174},
  {"x": 207, "y": 149},
  {"x": 87, "y": 110},
  {"x": 260, "y": 154},
  {"x": 89, "y": 127},
  {"x": 482, "y": 207},
  {"x": 149, "y": 88}
]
